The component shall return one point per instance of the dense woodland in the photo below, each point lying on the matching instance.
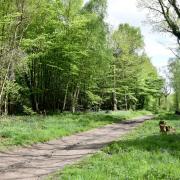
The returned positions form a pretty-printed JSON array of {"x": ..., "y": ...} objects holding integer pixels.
[{"x": 61, "y": 55}]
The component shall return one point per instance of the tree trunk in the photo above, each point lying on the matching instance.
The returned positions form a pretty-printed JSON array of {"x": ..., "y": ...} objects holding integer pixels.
[
  {"x": 65, "y": 97},
  {"x": 74, "y": 99},
  {"x": 166, "y": 105},
  {"x": 3, "y": 86},
  {"x": 126, "y": 103},
  {"x": 114, "y": 91},
  {"x": 6, "y": 105},
  {"x": 159, "y": 102},
  {"x": 114, "y": 101}
]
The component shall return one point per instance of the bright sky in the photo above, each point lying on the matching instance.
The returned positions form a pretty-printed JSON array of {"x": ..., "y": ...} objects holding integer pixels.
[{"x": 157, "y": 44}]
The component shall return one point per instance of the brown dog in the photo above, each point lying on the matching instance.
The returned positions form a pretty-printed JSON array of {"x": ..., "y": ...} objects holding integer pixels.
[{"x": 165, "y": 128}]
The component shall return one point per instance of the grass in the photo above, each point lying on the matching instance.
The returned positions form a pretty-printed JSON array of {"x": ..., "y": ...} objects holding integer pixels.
[
  {"x": 144, "y": 154},
  {"x": 26, "y": 130}
]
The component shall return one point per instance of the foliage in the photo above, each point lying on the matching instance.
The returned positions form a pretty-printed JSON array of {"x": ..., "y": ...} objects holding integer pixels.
[
  {"x": 135, "y": 78},
  {"x": 174, "y": 68},
  {"x": 28, "y": 111},
  {"x": 58, "y": 55}
]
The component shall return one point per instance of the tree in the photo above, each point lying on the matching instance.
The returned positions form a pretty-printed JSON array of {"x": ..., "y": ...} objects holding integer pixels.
[
  {"x": 127, "y": 41},
  {"x": 164, "y": 15},
  {"x": 70, "y": 46},
  {"x": 174, "y": 68},
  {"x": 166, "y": 91},
  {"x": 58, "y": 55},
  {"x": 13, "y": 23}
]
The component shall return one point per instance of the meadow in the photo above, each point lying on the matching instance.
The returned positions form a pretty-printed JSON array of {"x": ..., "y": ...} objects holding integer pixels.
[
  {"x": 144, "y": 154},
  {"x": 26, "y": 130}
]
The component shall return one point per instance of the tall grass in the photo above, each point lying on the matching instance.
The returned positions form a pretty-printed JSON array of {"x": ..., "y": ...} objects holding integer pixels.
[{"x": 24, "y": 130}]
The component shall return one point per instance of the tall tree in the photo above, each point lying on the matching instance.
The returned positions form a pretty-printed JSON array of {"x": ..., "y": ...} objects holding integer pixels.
[
  {"x": 13, "y": 23},
  {"x": 164, "y": 15},
  {"x": 174, "y": 68},
  {"x": 70, "y": 46},
  {"x": 127, "y": 40}
]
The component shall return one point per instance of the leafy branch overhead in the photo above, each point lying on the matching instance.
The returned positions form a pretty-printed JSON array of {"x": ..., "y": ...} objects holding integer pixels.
[{"x": 164, "y": 15}]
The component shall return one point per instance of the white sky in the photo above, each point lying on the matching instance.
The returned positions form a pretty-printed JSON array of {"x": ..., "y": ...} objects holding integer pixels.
[
  {"x": 156, "y": 44},
  {"x": 120, "y": 11}
]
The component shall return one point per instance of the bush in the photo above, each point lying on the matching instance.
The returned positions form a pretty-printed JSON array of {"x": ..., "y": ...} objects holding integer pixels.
[{"x": 28, "y": 110}]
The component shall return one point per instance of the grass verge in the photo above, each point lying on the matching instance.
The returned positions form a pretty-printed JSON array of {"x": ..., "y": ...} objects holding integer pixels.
[
  {"x": 144, "y": 154},
  {"x": 25, "y": 130}
]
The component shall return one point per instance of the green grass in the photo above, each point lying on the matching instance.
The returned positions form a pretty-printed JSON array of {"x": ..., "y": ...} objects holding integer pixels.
[
  {"x": 144, "y": 154},
  {"x": 25, "y": 130}
]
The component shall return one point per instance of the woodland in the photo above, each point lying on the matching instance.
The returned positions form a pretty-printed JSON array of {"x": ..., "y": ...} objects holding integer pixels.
[
  {"x": 64, "y": 70},
  {"x": 61, "y": 56}
]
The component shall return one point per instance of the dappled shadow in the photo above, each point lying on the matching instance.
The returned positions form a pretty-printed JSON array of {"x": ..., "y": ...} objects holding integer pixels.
[
  {"x": 29, "y": 163},
  {"x": 120, "y": 118},
  {"x": 41, "y": 159},
  {"x": 156, "y": 143},
  {"x": 107, "y": 118},
  {"x": 132, "y": 122},
  {"x": 168, "y": 116}
]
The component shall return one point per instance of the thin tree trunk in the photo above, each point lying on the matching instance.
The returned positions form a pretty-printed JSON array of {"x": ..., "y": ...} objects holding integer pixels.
[
  {"x": 126, "y": 103},
  {"x": 65, "y": 97},
  {"x": 3, "y": 86},
  {"x": 114, "y": 91},
  {"x": 72, "y": 104},
  {"x": 74, "y": 99},
  {"x": 6, "y": 105},
  {"x": 166, "y": 103},
  {"x": 114, "y": 101}
]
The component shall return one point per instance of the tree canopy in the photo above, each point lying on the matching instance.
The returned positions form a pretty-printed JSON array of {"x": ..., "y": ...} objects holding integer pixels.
[{"x": 60, "y": 55}]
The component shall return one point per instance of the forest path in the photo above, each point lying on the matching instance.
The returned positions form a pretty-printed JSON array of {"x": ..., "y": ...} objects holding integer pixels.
[{"x": 39, "y": 160}]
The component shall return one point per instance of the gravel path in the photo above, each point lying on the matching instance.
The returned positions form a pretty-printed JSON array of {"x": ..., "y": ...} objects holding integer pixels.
[{"x": 39, "y": 160}]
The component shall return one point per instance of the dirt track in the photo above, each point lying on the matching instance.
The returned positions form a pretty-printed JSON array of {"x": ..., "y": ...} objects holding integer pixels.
[{"x": 39, "y": 160}]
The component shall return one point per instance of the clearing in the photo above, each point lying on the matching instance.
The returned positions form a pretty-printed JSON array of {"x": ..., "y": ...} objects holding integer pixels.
[
  {"x": 39, "y": 160},
  {"x": 27, "y": 130},
  {"x": 144, "y": 154}
]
